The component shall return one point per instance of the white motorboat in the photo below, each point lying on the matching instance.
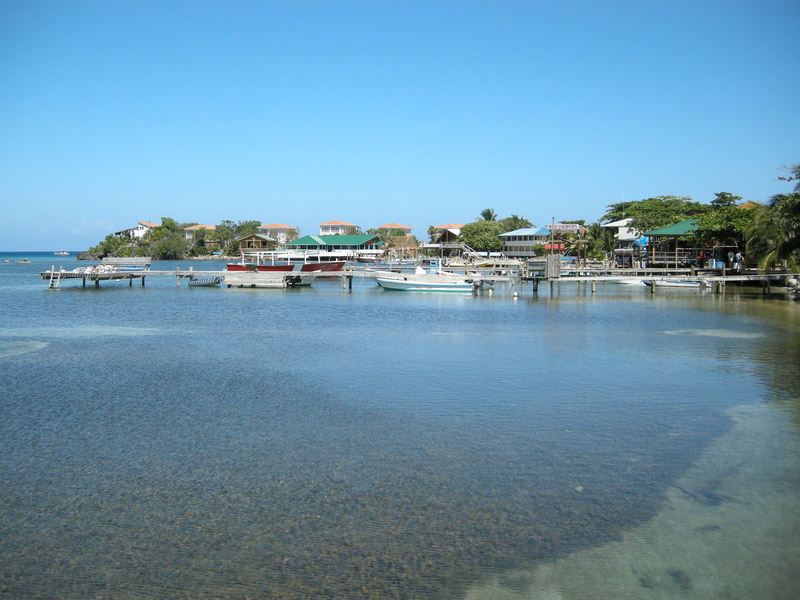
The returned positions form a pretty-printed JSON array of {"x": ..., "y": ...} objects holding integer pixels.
[
  {"x": 409, "y": 284},
  {"x": 679, "y": 283}
]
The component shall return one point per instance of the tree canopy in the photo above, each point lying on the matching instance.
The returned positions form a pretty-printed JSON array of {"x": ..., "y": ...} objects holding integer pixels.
[
  {"x": 652, "y": 213},
  {"x": 514, "y": 222},
  {"x": 488, "y": 214},
  {"x": 725, "y": 226},
  {"x": 482, "y": 236}
]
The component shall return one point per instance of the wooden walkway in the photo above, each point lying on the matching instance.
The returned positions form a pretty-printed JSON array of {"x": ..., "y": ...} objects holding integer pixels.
[{"x": 711, "y": 278}]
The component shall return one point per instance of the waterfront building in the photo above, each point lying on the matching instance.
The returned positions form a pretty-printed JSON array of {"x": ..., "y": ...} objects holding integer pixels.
[
  {"x": 674, "y": 245},
  {"x": 336, "y": 228},
  {"x": 137, "y": 232},
  {"x": 282, "y": 233},
  {"x": 188, "y": 232},
  {"x": 520, "y": 242},
  {"x": 449, "y": 232},
  {"x": 625, "y": 234},
  {"x": 340, "y": 246},
  {"x": 256, "y": 241}
]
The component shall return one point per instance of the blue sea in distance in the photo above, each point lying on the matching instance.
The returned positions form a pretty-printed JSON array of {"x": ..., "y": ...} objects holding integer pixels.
[{"x": 161, "y": 442}]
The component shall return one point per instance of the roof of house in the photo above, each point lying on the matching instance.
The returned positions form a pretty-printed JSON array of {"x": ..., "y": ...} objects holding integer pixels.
[
  {"x": 266, "y": 238},
  {"x": 450, "y": 226},
  {"x": 147, "y": 224},
  {"x": 276, "y": 226},
  {"x": 338, "y": 223},
  {"x": 527, "y": 231},
  {"x": 394, "y": 226},
  {"x": 196, "y": 227},
  {"x": 682, "y": 228},
  {"x": 621, "y": 223},
  {"x": 333, "y": 240}
]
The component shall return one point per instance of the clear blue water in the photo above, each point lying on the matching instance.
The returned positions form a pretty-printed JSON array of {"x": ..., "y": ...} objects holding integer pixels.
[{"x": 163, "y": 442}]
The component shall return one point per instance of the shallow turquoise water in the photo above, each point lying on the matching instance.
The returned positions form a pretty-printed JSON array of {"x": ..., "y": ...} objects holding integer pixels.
[{"x": 163, "y": 442}]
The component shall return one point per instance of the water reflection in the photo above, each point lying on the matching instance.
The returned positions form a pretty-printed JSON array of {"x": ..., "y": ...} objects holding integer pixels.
[{"x": 363, "y": 446}]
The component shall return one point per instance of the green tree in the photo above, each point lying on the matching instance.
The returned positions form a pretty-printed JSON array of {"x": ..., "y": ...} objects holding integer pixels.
[
  {"x": 170, "y": 225},
  {"x": 774, "y": 237},
  {"x": 382, "y": 234},
  {"x": 433, "y": 233},
  {"x": 482, "y": 235},
  {"x": 513, "y": 223},
  {"x": 600, "y": 241},
  {"x": 225, "y": 235},
  {"x": 244, "y": 228},
  {"x": 169, "y": 247},
  {"x": 488, "y": 214},
  {"x": 793, "y": 175},
  {"x": 197, "y": 244},
  {"x": 725, "y": 226},
  {"x": 723, "y": 199},
  {"x": 112, "y": 246},
  {"x": 652, "y": 213}
]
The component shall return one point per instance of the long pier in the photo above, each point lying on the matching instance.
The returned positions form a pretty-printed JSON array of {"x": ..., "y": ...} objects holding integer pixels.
[{"x": 712, "y": 279}]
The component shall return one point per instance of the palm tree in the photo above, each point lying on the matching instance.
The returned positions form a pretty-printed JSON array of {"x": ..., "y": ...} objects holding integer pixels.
[
  {"x": 488, "y": 214},
  {"x": 774, "y": 238}
]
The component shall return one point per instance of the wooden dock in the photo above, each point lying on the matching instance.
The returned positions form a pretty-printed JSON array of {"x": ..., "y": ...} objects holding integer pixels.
[{"x": 118, "y": 270}]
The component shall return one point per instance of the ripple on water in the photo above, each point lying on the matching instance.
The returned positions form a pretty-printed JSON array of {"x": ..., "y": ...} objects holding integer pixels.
[{"x": 12, "y": 348}]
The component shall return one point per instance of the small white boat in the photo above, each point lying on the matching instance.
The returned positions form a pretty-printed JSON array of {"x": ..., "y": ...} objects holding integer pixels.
[
  {"x": 678, "y": 283},
  {"x": 427, "y": 283},
  {"x": 61, "y": 253}
]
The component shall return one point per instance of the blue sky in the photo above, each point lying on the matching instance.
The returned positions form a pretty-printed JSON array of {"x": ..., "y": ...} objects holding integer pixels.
[{"x": 420, "y": 113}]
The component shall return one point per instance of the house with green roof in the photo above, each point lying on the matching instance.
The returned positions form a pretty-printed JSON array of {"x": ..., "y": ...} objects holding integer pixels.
[
  {"x": 348, "y": 247},
  {"x": 674, "y": 245}
]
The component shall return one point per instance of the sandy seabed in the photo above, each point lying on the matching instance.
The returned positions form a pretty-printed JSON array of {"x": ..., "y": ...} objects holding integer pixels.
[{"x": 729, "y": 529}]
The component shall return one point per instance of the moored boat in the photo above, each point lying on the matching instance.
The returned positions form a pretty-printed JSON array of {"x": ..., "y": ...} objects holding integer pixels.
[
  {"x": 258, "y": 268},
  {"x": 678, "y": 283},
  {"x": 316, "y": 267},
  {"x": 427, "y": 283},
  {"x": 212, "y": 281}
]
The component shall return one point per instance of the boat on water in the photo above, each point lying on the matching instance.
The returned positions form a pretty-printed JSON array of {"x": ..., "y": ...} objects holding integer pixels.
[
  {"x": 61, "y": 253},
  {"x": 24, "y": 261},
  {"x": 421, "y": 281},
  {"x": 316, "y": 267},
  {"x": 635, "y": 282},
  {"x": 212, "y": 281},
  {"x": 407, "y": 285},
  {"x": 678, "y": 283}
]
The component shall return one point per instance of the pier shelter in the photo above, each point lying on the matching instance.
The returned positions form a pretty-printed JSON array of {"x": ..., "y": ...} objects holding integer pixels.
[
  {"x": 674, "y": 245},
  {"x": 256, "y": 241}
]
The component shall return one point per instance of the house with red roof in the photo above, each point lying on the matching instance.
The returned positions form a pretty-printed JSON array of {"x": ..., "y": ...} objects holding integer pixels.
[
  {"x": 281, "y": 233},
  {"x": 336, "y": 228}
]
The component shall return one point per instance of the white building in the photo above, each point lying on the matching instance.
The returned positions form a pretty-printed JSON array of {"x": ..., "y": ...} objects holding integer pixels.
[
  {"x": 520, "y": 242},
  {"x": 142, "y": 227},
  {"x": 188, "y": 232},
  {"x": 281, "y": 233},
  {"x": 335, "y": 228}
]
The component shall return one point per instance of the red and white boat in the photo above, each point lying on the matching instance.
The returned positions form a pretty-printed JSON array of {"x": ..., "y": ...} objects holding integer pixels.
[{"x": 310, "y": 267}]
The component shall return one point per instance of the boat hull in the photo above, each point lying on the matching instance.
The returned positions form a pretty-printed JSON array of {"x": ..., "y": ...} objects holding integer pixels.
[
  {"x": 235, "y": 267},
  {"x": 402, "y": 285},
  {"x": 332, "y": 267},
  {"x": 679, "y": 283}
]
